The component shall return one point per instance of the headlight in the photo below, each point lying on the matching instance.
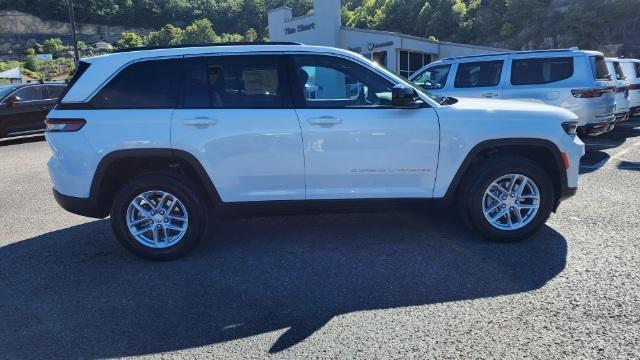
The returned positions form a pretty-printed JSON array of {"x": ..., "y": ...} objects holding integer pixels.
[{"x": 570, "y": 127}]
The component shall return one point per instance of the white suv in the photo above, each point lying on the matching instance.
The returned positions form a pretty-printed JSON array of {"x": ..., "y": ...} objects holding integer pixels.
[
  {"x": 622, "y": 89},
  {"x": 631, "y": 70},
  {"x": 155, "y": 138},
  {"x": 574, "y": 79}
]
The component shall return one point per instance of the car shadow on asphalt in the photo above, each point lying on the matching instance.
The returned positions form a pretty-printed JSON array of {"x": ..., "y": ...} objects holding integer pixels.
[
  {"x": 74, "y": 293},
  {"x": 595, "y": 156}
]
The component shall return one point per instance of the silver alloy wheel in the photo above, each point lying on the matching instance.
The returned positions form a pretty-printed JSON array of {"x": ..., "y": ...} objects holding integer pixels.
[
  {"x": 511, "y": 202},
  {"x": 157, "y": 219}
]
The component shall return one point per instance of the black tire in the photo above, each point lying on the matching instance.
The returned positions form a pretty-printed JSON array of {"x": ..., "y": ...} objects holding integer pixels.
[
  {"x": 481, "y": 176},
  {"x": 170, "y": 183}
]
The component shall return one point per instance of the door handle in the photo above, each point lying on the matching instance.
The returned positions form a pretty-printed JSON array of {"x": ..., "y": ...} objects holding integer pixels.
[
  {"x": 324, "y": 120},
  {"x": 490, "y": 95},
  {"x": 200, "y": 121}
]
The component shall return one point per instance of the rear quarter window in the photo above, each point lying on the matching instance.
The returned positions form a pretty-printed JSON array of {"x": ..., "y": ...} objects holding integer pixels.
[
  {"x": 479, "y": 74},
  {"x": 541, "y": 70},
  {"x": 600, "y": 69},
  {"x": 150, "y": 84}
]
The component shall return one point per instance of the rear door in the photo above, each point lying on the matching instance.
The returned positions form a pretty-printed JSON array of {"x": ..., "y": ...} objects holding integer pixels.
[
  {"x": 479, "y": 78},
  {"x": 237, "y": 119}
]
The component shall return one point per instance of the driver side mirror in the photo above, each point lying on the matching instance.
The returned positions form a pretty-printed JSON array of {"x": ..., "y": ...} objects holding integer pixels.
[
  {"x": 11, "y": 101},
  {"x": 405, "y": 97}
]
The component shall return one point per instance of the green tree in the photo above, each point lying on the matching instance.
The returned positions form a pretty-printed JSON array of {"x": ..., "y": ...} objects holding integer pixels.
[
  {"x": 32, "y": 63},
  {"x": 168, "y": 35},
  {"x": 53, "y": 46},
  {"x": 251, "y": 35},
  {"x": 199, "y": 32},
  {"x": 129, "y": 39}
]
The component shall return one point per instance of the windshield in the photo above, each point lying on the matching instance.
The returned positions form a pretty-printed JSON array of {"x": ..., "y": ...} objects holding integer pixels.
[{"x": 5, "y": 90}]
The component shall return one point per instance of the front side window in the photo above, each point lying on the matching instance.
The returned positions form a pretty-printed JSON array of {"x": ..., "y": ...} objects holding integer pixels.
[
  {"x": 248, "y": 81},
  {"x": 328, "y": 82},
  {"x": 541, "y": 71},
  {"x": 433, "y": 78},
  {"x": 148, "y": 84},
  {"x": 479, "y": 74},
  {"x": 30, "y": 93}
]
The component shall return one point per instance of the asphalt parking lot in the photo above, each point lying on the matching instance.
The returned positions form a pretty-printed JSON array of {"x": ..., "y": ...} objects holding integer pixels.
[{"x": 393, "y": 285}]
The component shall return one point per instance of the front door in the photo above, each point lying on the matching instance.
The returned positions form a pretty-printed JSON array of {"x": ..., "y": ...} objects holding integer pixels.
[
  {"x": 237, "y": 119},
  {"x": 26, "y": 114},
  {"x": 356, "y": 145}
]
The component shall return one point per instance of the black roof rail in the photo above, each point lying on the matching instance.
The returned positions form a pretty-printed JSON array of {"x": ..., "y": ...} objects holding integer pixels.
[
  {"x": 510, "y": 53},
  {"x": 240, "y": 43}
]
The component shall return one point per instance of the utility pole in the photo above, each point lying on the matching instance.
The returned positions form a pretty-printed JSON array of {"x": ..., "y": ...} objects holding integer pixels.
[{"x": 74, "y": 37}]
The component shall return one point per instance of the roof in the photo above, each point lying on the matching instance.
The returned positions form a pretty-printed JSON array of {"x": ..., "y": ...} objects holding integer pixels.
[
  {"x": 11, "y": 74},
  {"x": 549, "y": 51}
]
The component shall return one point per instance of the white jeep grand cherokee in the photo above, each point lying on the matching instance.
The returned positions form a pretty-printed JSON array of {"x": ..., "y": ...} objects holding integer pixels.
[{"x": 155, "y": 138}]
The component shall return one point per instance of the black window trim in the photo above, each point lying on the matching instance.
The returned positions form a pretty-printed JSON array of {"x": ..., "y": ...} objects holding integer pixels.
[{"x": 500, "y": 74}]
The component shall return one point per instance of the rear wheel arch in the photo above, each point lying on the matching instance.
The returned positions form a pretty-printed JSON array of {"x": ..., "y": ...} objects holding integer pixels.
[
  {"x": 121, "y": 165},
  {"x": 543, "y": 152}
]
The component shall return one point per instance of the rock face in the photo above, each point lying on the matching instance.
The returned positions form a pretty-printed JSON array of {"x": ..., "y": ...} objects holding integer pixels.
[{"x": 19, "y": 23}]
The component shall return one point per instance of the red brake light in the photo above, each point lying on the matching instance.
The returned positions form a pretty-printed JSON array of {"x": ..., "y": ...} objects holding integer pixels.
[
  {"x": 64, "y": 125},
  {"x": 591, "y": 93}
]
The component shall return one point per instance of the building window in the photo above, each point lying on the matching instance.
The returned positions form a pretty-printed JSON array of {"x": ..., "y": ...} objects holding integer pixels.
[{"x": 411, "y": 62}]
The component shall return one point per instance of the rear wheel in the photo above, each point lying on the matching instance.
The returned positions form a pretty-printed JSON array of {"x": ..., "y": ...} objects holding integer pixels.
[
  {"x": 507, "y": 198},
  {"x": 157, "y": 217}
]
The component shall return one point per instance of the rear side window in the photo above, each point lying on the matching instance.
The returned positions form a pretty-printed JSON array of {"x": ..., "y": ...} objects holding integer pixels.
[
  {"x": 619, "y": 72},
  {"x": 148, "y": 84},
  {"x": 433, "y": 78},
  {"x": 479, "y": 74},
  {"x": 541, "y": 71},
  {"x": 600, "y": 69},
  {"x": 54, "y": 91},
  {"x": 235, "y": 82}
]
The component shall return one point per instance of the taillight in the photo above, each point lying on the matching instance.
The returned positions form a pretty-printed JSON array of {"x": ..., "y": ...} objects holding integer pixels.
[
  {"x": 591, "y": 93},
  {"x": 64, "y": 125}
]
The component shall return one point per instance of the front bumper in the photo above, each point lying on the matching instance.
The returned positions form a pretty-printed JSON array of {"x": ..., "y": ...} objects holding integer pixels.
[{"x": 88, "y": 207}]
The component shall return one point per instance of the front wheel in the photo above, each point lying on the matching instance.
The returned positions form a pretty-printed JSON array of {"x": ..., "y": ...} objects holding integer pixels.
[
  {"x": 508, "y": 198},
  {"x": 157, "y": 217}
]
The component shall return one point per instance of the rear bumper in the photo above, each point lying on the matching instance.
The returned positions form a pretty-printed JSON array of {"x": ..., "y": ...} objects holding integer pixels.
[
  {"x": 600, "y": 128},
  {"x": 622, "y": 117},
  {"x": 88, "y": 207},
  {"x": 634, "y": 111}
]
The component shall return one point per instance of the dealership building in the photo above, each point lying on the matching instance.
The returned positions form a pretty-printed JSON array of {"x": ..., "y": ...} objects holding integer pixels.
[{"x": 401, "y": 53}]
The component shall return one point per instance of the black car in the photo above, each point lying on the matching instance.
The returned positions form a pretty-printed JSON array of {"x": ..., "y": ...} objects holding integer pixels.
[{"x": 24, "y": 107}]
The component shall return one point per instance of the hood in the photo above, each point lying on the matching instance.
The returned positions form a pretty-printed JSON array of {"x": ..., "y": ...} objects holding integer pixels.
[{"x": 495, "y": 105}]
